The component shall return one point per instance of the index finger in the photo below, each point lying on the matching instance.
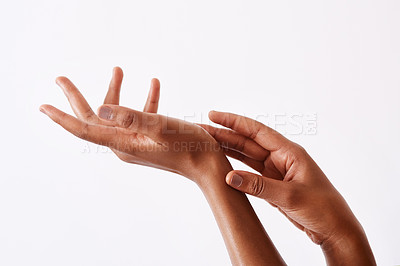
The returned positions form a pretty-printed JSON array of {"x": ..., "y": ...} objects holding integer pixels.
[
  {"x": 78, "y": 103},
  {"x": 108, "y": 136},
  {"x": 234, "y": 141}
]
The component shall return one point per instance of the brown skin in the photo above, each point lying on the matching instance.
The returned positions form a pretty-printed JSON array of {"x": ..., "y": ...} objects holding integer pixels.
[
  {"x": 174, "y": 145},
  {"x": 293, "y": 183}
]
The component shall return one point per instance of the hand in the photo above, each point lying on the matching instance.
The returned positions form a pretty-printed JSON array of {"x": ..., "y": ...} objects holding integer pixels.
[
  {"x": 139, "y": 137},
  {"x": 292, "y": 182}
]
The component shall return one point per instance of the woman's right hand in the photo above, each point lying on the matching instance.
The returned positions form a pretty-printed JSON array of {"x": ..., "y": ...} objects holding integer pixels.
[{"x": 291, "y": 181}]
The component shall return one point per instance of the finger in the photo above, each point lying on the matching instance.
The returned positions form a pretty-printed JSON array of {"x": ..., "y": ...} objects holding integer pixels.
[
  {"x": 265, "y": 136},
  {"x": 256, "y": 165},
  {"x": 114, "y": 88},
  {"x": 78, "y": 103},
  {"x": 153, "y": 98},
  {"x": 256, "y": 185},
  {"x": 237, "y": 142},
  {"x": 140, "y": 122},
  {"x": 99, "y": 134}
]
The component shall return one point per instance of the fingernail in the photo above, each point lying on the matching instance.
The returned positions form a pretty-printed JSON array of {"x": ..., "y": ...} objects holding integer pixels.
[
  {"x": 236, "y": 180},
  {"x": 105, "y": 112},
  {"x": 41, "y": 109}
]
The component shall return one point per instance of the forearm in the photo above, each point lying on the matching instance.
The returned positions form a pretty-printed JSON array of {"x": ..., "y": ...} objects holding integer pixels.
[{"x": 245, "y": 238}]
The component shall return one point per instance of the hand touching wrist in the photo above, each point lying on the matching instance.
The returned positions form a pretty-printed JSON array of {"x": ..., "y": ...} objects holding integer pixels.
[{"x": 290, "y": 180}]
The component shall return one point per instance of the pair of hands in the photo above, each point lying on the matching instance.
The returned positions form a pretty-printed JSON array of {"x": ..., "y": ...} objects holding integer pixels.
[{"x": 289, "y": 179}]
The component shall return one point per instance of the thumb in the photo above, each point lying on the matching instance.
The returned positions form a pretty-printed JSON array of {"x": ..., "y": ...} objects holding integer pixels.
[
  {"x": 256, "y": 185},
  {"x": 144, "y": 123}
]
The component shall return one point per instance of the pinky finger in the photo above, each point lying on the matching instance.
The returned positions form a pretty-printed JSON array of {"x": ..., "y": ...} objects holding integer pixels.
[{"x": 153, "y": 97}]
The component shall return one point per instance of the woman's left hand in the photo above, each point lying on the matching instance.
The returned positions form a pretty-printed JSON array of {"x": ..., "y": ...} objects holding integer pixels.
[
  {"x": 113, "y": 96},
  {"x": 142, "y": 138}
]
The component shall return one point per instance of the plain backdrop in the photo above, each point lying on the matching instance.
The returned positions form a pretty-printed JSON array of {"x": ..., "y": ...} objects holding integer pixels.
[{"x": 66, "y": 202}]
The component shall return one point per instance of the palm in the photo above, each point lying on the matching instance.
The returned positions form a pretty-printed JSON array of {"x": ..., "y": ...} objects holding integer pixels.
[{"x": 151, "y": 105}]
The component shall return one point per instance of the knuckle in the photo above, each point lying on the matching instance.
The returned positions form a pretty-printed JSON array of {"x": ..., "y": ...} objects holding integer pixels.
[
  {"x": 298, "y": 151},
  {"x": 240, "y": 144},
  {"x": 128, "y": 120},
  {"x": 61, "y": 118},
  {"x": 83, "y": 132},
  {"x": 299, "y": 148},
  {"x": 257, "y": 187},
  {"x": 254, "y": 133},
  {"x": 227, "y": 120},
  {"x": 88, "y": 114}
]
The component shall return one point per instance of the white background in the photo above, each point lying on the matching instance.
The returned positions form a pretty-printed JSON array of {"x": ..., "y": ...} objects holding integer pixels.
[{"x": 60, "y": 205}]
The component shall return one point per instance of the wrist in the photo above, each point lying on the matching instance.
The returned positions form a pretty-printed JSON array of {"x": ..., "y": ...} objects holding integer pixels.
[
  {"x": 213, "y": 172},
  {"x": 348, "y": 248},
  {"x": 244, "y": 235}
]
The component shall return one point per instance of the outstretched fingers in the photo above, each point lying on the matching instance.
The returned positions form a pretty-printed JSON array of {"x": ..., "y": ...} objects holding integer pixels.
[
  {"x": 99, "y": 134},
  {"x": 265, "y": 136},
  {"x": 114, "y": 89}
]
